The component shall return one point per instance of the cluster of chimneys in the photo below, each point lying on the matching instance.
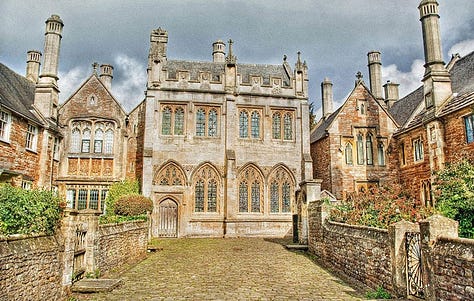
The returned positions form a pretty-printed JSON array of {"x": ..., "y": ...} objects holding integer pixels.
[{"x": 390, "y": 90}]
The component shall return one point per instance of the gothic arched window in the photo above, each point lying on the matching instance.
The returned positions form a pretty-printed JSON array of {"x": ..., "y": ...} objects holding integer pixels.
[
  {"x": 360, "y": 149},
  {"x": 280, "y": 191},
  {"x": 170, "y": 174},
  {"x": 75, "y": 141},
  {"x": 206, "y": 190},
  {"x": 348, "y": 154},
  {"x": 199, "y": 196},
  {"x": 243, "y": 197},
  {"x": 381, "y": 154},
  {"x": 276, "y": 126},
  {"x": 250, "y": 198},
  {"x": 369, "y": 149},
  {"x": 243, "y": 124},
  {"x": 109, "y": 141}
]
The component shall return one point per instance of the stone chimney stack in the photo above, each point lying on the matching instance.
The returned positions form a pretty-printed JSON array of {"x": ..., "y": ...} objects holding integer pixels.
[
  {"x": 436, "y": 81},
  {"x": 327, "y": 96},
  {"x": 106, "y": 75},
  {"x": 218, "y": 52},
  {"x": 375, "y": 74},
  {"x": 47, "y": 92},
  {"x": 391, "y": 93},
  {"x": 157, "y": 56},
  {"x": 33, "y": 62}
]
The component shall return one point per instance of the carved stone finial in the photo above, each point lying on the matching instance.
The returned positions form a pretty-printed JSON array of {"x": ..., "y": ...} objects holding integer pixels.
[
  {"x": 299, "y": 65},
  {"x": 231, "y": 58},
  {"x": 95, "y": 65},
  {"x": 284, "y": 57},
  {"x": 359, "y": 75}
]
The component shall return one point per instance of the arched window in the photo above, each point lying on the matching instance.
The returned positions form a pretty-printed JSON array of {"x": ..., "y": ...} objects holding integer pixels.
[
  {"x": 288, "y": 126},
  {"x": 348, "y": 154},
  {"x": 243, "y": 197},
  {"x": 200, "y": 122},
  {"x": 212, "y": 196},
  {"x": 274, "y": 198},
  {"x": 255, "y": 197},
  {"x": 243, "y": 125},
  {"x": 381, "y": 154},
  {"x": 98, "y": 140},
  {"x": 179, "y": 121},
  {"x": 109, "y": 141},
  {"x": 280, "y": 191},
  {"x": 369, "y": 150},
  {"x": 199, "y": 197},
  {"x": 255, "y": 124},
  {"x": 360, "y": 149},
  {"x": 206, "y": 190},
  {"x": 250, "y": 196},
  {"x": 166, "y": 121},
  {"x": 170, "y": 174},
  {"x": 86, "y": 140},
  {"x": 276, "y": 126},
  {"x": 212, "y": 124},
  {"x": 75, "y": 141},
  {"x": 285, "y": 206}
]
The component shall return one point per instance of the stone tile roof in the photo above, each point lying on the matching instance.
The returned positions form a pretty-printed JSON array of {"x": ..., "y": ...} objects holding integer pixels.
[
  {"x": 321, "y": 129},
  {"x": 17, "y": 93},
  {"x": 217, "y": 69},
  {"x": 404, "y": 108}
]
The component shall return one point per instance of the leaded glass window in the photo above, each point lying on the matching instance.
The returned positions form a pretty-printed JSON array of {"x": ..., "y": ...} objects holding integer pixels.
[
  {"x": 5, "y": 125},
  {"x": 469, "y": 123},
  {"x": 200, "y": 122},
  {"x": 274, "y": 198},
  {"x": 212, "y": 124},
  {"x": 82, "y": 199},
  {"x": 212, "y": 196},
  {"x": 109, "y": 141},
  {"x": 75, "y": 141},
  {"x": 98, "y": 140},
  {"x": 418, "y": 149},
  {"x": 243, "y": 197},
  {"x": 369, "y": 150},
  {"x": 360, "y": 150},
  {"x": 199, "y": 197},
  {"x": 31, "y": 137},
  {"x": 288, "y": 126},
  {"x": 86, "y": 140},
  {"x": 170, "y": 174},
  {"x": 255, "y": 201},
  {"x": 166, "y": 121},
  {"x": 179, "y": 121},
  {"x": 255, "y": 124},
  {"x": 94, "y": 199},
  {"x": 276, "y": 126},
  {"x": 285, "y": 206},
  {"x": 348, "y": 154},
  {"x": 243, "y": 124},
  {"x": 381, "y": 154}
]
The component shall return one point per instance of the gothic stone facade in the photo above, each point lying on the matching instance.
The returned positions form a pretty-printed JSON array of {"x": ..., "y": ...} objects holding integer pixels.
[{"x": 225, "y": 144}]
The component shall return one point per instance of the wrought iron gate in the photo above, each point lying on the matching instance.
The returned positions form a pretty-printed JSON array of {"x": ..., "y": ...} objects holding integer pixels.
[
  {"x": 168, "y": 219},
  {"x": 415, "y": 284}
]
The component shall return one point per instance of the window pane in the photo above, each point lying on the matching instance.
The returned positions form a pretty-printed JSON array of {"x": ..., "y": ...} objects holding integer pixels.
[
  {"x": 369, "y": 150},
  {"x": 381, "y": 154},
  {"x": 86, "y": 136},
  {"x": 166, "y": 121},
  {"x": 255, "y": 197},
  {"x": 288, "y": 127},
  {"x": 200, "y": 122},
  {"x": 360, "y": 150},
  {"x": 276, "y": 126},
  {"x": 212, "y": 125},
  {"x": 274, "y": 198},
  {"x": 199, "y": 197},
  {"x": 71, "y": 198},
  {"x": 98, "y": 139},
  {"x": 243, "y": 197},
  {"x": 179, "y": 121},
  {"x": 82, "y": 199},
  {"x": 469, "y": 122},
  {"x": 109, "y": 141},
  {"x": 94, "y": 199},
  {"x": 244, "y": 125},
  {"x": 255, "y": 124},
  {"x": 285, "y": 206},
  {"x": 31, "y": 136},
  {"x": 75, "y": 141},
  {"x": 349, "y": 153},
  {"x": 103, "y": 196},
  {"x": 212, "y": 196},
  {"x": 5, "y": 122}
]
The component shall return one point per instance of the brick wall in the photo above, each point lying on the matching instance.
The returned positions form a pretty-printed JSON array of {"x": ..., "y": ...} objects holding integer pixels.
[
  {"x": 453, "y": 268},
  {"x": 30, "y": 269},
  {"x": 455, "y": 136},
  {"x": 322, "y": 163},
  {"x": 119, "y": 244}
]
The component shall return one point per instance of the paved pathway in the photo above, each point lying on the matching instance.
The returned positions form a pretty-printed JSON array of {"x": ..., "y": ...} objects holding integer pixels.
[{"x": 227, "y": 269}]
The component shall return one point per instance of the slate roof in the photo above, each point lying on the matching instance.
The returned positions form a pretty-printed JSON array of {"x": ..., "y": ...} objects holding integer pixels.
[
  {"x": 320, "y": 129},
  {"x": 17, "y": 93},
  {"x": 217, "y": 69},
  {"x": 404, "y": 108}
]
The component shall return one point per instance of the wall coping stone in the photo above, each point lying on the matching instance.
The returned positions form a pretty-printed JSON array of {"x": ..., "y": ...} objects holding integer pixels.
[
  {"x": 358, "y": 227},
  {"x": 14, "y": 237}
]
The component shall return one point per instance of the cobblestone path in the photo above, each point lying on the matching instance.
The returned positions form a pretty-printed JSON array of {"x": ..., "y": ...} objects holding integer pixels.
[{"x": 227, "y": 269}]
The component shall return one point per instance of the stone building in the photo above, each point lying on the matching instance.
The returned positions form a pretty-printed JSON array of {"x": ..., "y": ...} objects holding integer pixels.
[
  {"x": 29, "y": 136},
  {"x": 225, "y": 144}
]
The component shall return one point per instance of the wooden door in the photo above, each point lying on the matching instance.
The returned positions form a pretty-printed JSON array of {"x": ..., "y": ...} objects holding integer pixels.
[{"x": 168, "y": 219}]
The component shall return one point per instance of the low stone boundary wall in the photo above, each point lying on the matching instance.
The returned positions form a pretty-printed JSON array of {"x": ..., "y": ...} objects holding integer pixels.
[
  {"x": 119, "y": 244},
  {"x": 30, "y": 268}
]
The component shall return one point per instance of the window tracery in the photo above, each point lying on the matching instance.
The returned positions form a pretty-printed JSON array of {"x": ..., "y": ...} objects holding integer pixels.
[
  {"x": 206, "y": 190},
  {"x": 170, "y": 175},
  {"x": 281, "y": 191},
  {"x": 88, "y": 136},
  {"x": 250, "y": 190},
  {"x": 348, "y": 153},
  {"x": 250, "y": 129}
]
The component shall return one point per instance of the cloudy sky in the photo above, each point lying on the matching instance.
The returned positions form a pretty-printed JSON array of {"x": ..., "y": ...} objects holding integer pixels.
[{"x": 333, "y": 37}]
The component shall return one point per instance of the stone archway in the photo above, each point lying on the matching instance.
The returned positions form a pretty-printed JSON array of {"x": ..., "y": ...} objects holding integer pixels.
[{"x": 167, "y": 218}]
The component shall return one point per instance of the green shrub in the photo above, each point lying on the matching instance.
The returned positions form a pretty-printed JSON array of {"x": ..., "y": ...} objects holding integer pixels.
[
  {"x": 379, "y": 293},
  {"x": 28, "y": 211},
  {"x": 118, "y": 190},
  {"x": 454, "y": 189},
  {"x": 132, "y": 205}
]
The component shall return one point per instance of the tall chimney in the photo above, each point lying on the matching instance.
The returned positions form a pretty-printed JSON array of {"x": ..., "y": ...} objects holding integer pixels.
[
  {"x": 106, "y": 75},
  {"x": 218, "y": 52},
  {"x": 375, "y": 74},
  {"x": 391, "y": 93},
  {"x": 326, "y": 93},
  {"x": 33, "y": 65}
]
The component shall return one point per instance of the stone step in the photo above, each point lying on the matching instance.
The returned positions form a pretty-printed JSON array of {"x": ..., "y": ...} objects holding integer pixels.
[
  {"x": 95, "y": 285},
  {"x": 297, "y": 247}
]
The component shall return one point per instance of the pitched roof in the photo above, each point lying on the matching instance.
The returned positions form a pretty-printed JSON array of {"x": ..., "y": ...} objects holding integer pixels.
[
  {"x": 217, "y": 69},
  {"x": 17, "y": 93},
  {"x": 404, "y": 108},
  {"x": 321, "y": 129}
]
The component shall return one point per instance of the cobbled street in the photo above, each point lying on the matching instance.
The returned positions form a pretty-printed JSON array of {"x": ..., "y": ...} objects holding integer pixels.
[{"x": 227, "y": 269}]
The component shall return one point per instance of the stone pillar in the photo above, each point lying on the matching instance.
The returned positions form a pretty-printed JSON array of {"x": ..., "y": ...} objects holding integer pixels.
[
  {"x": 90, "y": 218},
  {"x": 318, "y": 212},
  {"x": 398, "y": 254},
  {"x": 310, "y": 192},
  {"x": 68, "y": 239},
  {"x": 430, "y": 229}
]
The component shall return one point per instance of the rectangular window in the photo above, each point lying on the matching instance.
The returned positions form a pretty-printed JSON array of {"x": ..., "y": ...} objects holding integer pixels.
[
  {"x": 97, "y": 146},
  {"x": 103, "y": 196},
  {"x": 5, "y": 125},
  {"x": 469, "y": 123},
  {"x": 26, "y": 185},
  {"x": 71, "y": 198},
  {"x": 31, "y": 137},
  {"x": 403, "y": 159},
  {"x": 82, "y": 199},
  {"x": 94, "y": 199},
  {"x": 56, "y": 149},
  {"x": 86, "y": 146},
  {"x": 418, "y": 149}
]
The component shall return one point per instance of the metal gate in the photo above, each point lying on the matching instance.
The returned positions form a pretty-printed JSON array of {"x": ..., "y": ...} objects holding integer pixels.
[
  {"x": 415, "y": 284},
  {"x": 168, "y": 219}
]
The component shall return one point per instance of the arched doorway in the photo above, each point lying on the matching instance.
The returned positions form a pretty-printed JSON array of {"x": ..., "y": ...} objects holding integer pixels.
[{"x": 168, "y": 219}]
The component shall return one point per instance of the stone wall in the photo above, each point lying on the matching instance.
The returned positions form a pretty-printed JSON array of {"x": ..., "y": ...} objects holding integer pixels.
[
  {"x": 453, "y": 270},
  {"x": 119, "y": 244},
  {"x": 30, "y": 268}
]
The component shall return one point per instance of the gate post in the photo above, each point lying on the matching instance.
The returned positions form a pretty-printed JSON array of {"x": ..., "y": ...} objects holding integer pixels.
[
  {"x": 90, "y": 217},
  {"x": 430, "y": 229},
  {"x": 67, "y": 235},
  {"x": 398, "y": 255}
]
